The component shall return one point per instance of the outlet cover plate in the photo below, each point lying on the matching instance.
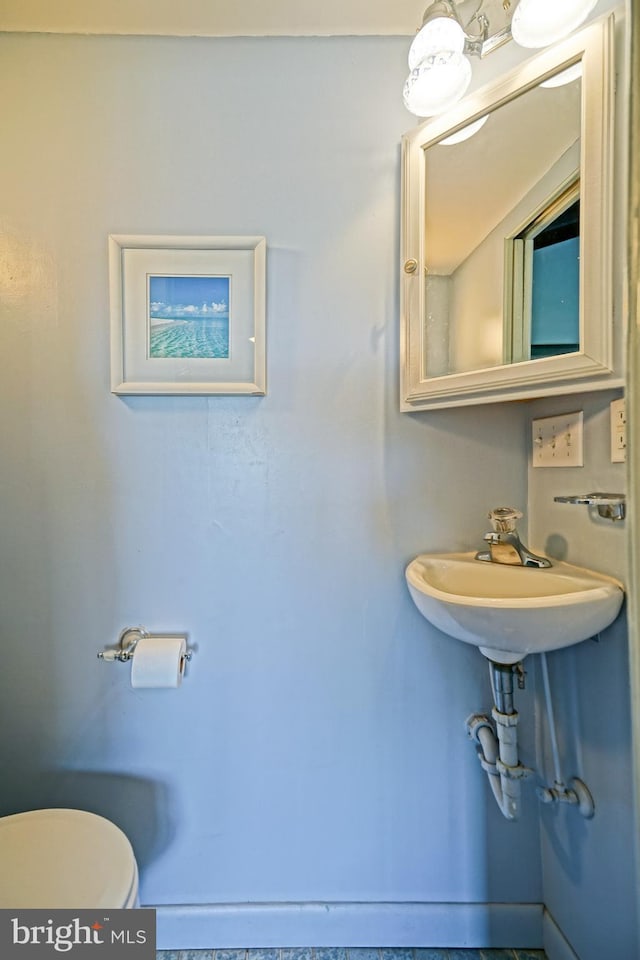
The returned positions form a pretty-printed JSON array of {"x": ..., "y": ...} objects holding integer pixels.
[{"x": 557, "y": 441}]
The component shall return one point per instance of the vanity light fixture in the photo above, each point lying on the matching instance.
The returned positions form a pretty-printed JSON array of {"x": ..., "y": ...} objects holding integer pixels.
[{"x": 453, "y": 30}]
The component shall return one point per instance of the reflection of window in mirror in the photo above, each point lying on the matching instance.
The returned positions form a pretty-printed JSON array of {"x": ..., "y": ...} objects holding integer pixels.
[{"x": 542, "y": 309}]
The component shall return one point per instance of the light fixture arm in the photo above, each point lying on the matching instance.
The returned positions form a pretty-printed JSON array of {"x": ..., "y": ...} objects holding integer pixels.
[
  {"x": 489, "y": 42},
  {"x": 475, "y": 44},
  {"x": 475, "y": 24},
  {"x": 482, "y": 41}
]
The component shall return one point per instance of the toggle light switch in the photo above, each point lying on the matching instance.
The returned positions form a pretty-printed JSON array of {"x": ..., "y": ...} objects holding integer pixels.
[{"x": 557, "y": 441}]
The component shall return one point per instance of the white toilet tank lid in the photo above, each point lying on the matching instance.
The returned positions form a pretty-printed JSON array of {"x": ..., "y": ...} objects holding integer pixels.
[{"x": 66, "y": 859}]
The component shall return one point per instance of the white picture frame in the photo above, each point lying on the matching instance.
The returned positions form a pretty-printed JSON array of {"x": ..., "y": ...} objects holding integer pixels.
[{"x": 187, "y": 315}]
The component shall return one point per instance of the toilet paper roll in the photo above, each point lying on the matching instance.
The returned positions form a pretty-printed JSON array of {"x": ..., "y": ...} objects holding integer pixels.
[{"x": 158, "y": 662}]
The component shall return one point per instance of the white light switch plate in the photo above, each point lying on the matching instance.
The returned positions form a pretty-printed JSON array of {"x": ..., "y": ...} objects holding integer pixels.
[
  {"x": 618, "y": 431},
  {"x": 557, "y": 441}
]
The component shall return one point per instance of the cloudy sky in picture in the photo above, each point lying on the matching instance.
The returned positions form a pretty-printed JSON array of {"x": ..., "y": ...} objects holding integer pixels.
[{"x": 182, "y": 297}]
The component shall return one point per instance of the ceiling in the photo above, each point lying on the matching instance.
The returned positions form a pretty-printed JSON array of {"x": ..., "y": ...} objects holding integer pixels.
[{"x": 215, "y": 17}]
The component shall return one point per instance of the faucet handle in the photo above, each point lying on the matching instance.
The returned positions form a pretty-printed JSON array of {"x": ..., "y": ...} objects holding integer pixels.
[{"x": 504, "y": 519}]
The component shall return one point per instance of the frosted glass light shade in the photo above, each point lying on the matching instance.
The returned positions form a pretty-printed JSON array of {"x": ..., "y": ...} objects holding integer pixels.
[
  {"x": 538, "y": 23},
  {"x": 439, "y": 81},
  {"x": 441, "y": 33}
]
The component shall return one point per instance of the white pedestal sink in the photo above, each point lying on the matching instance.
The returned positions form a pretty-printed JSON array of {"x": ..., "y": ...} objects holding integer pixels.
[{"x": 510, "y": 611}]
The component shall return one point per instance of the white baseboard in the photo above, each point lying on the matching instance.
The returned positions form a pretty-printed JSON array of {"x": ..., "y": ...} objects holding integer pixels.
[
  {"x": 244, "y": 925},
  {"x": 556, "y": 946}
]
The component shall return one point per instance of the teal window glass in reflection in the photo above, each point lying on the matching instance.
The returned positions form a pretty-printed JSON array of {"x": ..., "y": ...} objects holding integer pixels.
[{"x": 555, "y": 310}]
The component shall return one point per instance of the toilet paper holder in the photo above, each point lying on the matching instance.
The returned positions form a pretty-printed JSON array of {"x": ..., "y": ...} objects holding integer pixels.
[{"x": 128, "y": 641}]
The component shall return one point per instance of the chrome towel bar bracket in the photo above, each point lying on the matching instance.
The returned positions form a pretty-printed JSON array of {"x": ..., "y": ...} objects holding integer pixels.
[{"x": 611, "y": 506}]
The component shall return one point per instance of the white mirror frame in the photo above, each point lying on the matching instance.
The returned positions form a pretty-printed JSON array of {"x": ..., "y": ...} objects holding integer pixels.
[{"x": 591, "y": 368}]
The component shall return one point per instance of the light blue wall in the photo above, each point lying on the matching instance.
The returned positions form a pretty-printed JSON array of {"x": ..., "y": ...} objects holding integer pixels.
[
  {"x": 589, "y": 877},
  {"x": 588, "y": 868},
  {"x": 316, "y": 751}
]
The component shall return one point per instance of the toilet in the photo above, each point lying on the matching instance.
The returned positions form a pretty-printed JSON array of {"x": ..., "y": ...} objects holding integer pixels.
[{"x": 65, "y": 859}]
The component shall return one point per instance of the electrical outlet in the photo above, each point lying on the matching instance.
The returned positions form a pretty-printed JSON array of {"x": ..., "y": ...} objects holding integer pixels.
[
  {"x": 557, "y": 441},
  {"x": 618, "y": 431}
]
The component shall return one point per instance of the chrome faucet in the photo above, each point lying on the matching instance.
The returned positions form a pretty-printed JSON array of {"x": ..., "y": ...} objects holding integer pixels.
[{"x": 504, "y": 542}]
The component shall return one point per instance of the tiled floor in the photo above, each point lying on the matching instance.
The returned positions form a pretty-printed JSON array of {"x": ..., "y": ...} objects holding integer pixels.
[{"x": 361, "y": 953}]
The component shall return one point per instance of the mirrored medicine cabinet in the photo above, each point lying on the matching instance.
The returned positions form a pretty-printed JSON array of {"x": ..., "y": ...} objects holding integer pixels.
[{"x": 506, "y": 260}]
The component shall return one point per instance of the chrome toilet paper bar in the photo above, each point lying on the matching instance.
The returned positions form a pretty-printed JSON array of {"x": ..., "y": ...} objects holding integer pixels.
[{"x": 128, "y": 641}]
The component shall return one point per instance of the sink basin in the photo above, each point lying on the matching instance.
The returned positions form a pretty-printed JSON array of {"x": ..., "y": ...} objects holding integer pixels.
[{"x": 510, "y": 611}]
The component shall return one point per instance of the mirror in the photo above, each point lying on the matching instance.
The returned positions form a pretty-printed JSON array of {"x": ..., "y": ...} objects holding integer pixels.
[
  {"x": 478, "y": 193},
  {"x": 507, "y": 233}
]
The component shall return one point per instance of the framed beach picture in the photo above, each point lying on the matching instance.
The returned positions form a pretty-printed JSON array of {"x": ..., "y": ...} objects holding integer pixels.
[{"x": 187, "y": 315}]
